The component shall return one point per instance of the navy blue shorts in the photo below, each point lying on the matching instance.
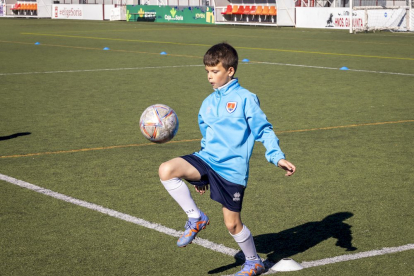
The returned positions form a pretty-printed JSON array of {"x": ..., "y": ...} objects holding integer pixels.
[{"x": 229, "y": 194}]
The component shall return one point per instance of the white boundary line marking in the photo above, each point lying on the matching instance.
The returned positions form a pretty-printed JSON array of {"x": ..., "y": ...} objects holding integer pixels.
[
  {"x": 332, "y": 68},
  {"x": 184, "y": 66},
  {"x": 154, "y": 226},
  {"x": 356, "y": 256},
  {"x": 100, "y": 70},
  {"x": 202, "y": 242}
]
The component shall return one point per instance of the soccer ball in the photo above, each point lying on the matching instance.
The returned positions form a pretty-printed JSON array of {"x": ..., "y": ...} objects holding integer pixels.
[{"x": 159, "y": 123}]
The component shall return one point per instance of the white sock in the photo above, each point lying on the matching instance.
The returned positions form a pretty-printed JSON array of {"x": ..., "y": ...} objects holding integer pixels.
[
  {"x": 180, "y": 192},
  {"x": 245, "y": 240}
]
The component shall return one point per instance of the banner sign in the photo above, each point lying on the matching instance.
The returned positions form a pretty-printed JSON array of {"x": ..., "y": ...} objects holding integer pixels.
[
  {"x": 171, "y": 14},
  {"x": 335, "y": 18},
  {"x": 86, "y": 12}
]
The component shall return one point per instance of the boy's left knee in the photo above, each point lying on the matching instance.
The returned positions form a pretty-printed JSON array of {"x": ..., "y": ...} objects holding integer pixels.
[{"x": 234, "y": 227}]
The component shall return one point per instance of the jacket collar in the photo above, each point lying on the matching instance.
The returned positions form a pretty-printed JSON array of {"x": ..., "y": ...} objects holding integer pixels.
[{"x": 228, "y": 87}]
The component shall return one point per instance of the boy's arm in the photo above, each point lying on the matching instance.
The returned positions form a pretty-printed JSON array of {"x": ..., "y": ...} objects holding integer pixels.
[
  {"x": 203, "y": 128},
  {"x": 263, "y": 132}
]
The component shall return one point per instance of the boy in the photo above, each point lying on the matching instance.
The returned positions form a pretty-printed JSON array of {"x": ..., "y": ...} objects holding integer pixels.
[{"x": 230, "y": 120}]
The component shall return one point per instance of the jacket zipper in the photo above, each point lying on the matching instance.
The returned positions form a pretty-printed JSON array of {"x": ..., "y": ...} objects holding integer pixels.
[{"x": 218, "y": 106}]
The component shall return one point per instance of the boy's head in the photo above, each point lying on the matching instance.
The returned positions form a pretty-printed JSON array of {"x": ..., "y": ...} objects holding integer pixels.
[
  {"x": 221, "y": 64},
  {"x": 223, "y": 53}
]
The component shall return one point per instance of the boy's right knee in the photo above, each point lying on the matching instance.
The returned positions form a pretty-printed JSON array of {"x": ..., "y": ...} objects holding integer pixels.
[{"x": 165, "y": 171}]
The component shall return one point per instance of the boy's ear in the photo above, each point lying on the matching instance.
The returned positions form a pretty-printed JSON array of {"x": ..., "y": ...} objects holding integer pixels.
[{"x": 231, "y": 71}]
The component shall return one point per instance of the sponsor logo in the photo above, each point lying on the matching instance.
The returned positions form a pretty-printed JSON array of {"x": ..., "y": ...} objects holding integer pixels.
[
  {"x": 236, "y": 197},
  {"x": 141, "y": 12},
  {"x": 209, "y": 16},
  {"x": 231, "y": 106},
  {"x": 329, "y": 22},
  {"x": 72, "y": 12},
  {"x": 343, "y": 20},
  {"x": 173, "y": 16},
  {"x": 173, "y": 12}
]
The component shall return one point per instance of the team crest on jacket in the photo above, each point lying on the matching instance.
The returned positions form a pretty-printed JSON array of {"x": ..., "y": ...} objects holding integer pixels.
[{"x": 231, "y": 106}]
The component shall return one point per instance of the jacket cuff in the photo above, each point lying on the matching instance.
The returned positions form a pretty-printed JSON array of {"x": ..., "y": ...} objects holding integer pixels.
[{"x": 277, "y": 158}]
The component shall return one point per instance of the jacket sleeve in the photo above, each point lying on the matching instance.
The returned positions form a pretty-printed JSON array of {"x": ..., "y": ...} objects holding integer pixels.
[
  {"x": 262, "y": 130},
  {"x": 203, "y": 128}
]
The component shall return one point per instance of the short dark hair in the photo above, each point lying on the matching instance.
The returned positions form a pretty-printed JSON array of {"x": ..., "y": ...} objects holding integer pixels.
[{"x": 224, "y": 53}]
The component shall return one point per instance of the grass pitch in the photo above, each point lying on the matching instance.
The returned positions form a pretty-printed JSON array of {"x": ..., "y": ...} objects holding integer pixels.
[{"x": 69, "y": 123}]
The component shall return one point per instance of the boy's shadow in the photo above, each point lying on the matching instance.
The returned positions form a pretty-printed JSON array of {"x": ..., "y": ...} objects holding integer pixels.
[
  {"x": 299, "y": 239},
  {"x": 2, "y": 138}
]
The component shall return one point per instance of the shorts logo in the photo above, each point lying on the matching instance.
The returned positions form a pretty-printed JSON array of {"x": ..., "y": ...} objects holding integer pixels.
[
  {"x": 236, "y": 197},
  {"x": 231, "y": 106}
]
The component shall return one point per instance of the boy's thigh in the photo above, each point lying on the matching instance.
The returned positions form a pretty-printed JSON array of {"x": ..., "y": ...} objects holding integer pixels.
[
  {"x": 178, "y": 167},
  {"x": 229, "y": 194}
]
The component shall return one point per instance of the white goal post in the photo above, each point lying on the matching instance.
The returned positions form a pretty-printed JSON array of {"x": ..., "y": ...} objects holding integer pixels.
[{"x": 383, "y": 15}]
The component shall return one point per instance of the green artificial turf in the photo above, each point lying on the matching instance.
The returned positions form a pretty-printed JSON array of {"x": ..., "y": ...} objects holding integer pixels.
[{"x": 69, "y": 123}]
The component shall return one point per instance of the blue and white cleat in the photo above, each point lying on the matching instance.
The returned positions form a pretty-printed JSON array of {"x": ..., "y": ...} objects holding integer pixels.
[
  {"x": 192, "y": 227},
  {"x": 251, "y": 268}
]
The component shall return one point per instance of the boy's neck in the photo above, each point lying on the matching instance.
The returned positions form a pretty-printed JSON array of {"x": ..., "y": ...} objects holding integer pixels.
[{"x": 228, "y": 83}]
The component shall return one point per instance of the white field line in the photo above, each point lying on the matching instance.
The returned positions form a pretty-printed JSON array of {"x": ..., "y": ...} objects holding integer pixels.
[
  {"x": 154, "y": 226},
  {"x": 350, "y": 257},
  {"x": 200, "y": 65},
  {"x": 332, "y": 68},
  {"x": 202, "y": 242},
  {"x": 356, "y": 256},
  {"x": 100, "y": 70}
]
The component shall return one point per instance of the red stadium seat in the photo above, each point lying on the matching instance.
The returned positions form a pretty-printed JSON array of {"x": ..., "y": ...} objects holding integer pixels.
[
  {"x": 273, "y": 12},
  {"x": 252, "y": 10},
  {"x": 240, "y": 10},
  {"x": 265, "y": 10},
  {"x": 228, "y": 10},
  {"x": 259, "y": 10},
  {"x": 247, "y": 10},
  {"x": 235, "y": 9}
]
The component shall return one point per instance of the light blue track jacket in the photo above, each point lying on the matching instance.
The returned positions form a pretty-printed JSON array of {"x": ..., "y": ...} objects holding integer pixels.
[{"x": 230, "y": 121}]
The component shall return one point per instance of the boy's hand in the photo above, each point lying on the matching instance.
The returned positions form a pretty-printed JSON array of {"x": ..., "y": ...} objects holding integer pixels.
[
  {"x": 287, "y": 166},
  {"x": 201, "y": 189}
]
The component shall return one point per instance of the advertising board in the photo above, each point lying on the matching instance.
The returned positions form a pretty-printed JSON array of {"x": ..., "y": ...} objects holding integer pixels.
[
  {"x": 335, "y": 18},
  {"x": 87, "y": 12},
  {"x": 170, "y": 14}
]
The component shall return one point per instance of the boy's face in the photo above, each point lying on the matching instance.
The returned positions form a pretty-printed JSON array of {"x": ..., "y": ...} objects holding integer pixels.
[{"x": 218, "y": 75}]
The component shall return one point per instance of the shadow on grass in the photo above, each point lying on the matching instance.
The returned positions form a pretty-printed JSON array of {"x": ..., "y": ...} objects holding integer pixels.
[
  {"x": 2, "y": 138},
  {"x": 299, "y": 239}
]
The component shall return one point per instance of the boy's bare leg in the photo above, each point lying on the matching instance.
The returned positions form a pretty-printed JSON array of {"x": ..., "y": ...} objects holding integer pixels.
[
  {"x": 170, "y": 174},
  {"x": 240, "y": 233},
  {"x": 179, "y": 168},
  {"x": 232, "y": 220}
]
